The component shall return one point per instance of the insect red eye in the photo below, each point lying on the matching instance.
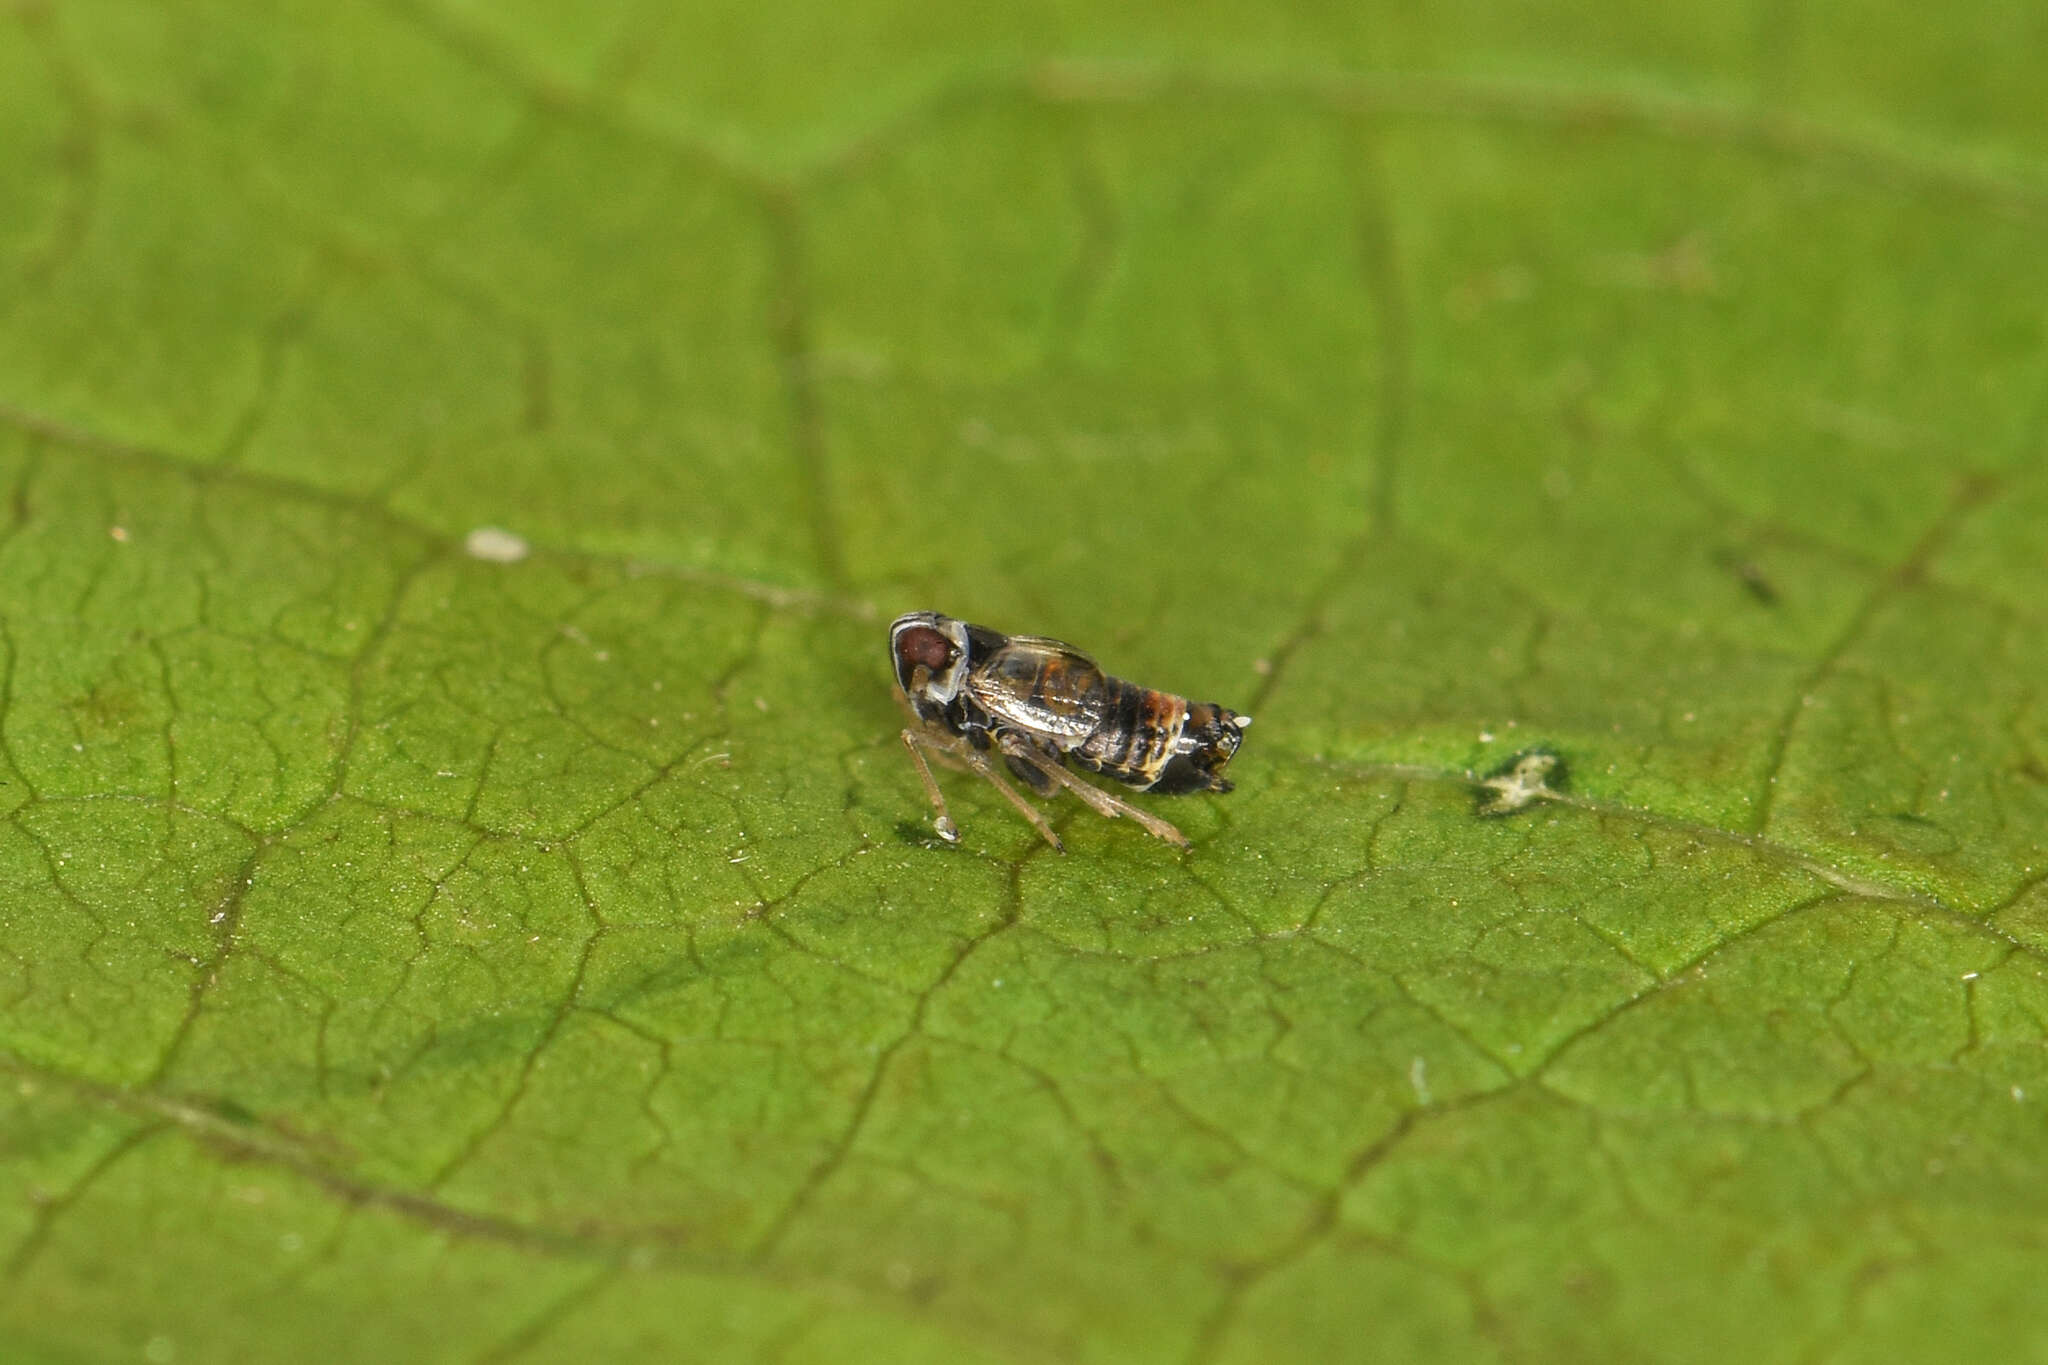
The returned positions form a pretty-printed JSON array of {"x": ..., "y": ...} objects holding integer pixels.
[{"x": 921, "y": 645}]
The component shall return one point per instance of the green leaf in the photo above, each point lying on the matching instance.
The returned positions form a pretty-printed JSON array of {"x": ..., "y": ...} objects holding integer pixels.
[{"x": 461, "y": 893}]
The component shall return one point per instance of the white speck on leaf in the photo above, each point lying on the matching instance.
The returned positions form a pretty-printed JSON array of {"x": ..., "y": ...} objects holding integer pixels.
[
  {"x": 495, "y": 545},
  {"x": 1418, "y": 1080}
]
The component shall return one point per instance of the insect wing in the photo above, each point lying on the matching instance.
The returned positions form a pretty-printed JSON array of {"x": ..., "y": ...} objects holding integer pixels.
[{"x": 1042, "y": 686}]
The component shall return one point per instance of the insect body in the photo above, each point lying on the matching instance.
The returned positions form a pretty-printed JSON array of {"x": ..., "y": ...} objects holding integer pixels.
[{"x": 1041, "y": 705}]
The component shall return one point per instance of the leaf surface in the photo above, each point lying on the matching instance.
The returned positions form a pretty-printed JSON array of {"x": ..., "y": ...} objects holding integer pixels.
[{"x": 461, "y": 893}]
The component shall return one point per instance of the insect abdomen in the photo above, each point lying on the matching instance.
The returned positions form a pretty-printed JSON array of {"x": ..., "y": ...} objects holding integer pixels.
[{"x": 1136, "y": 735}]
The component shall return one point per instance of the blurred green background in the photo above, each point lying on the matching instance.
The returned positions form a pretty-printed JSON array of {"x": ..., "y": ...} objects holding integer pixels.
[{"x": 425, "y": 946}]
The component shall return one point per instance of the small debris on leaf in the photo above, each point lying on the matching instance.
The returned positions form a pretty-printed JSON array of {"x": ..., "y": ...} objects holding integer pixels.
[
  {"x": 1530, "y": 776},
  {"x": 495, "y": 545}
]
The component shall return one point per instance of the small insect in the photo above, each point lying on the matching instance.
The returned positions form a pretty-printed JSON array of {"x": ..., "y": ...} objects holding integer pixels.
[{"x": 1042, "y": 704}]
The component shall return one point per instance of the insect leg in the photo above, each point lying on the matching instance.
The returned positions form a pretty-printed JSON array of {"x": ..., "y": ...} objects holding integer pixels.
[
  {"x": 942, "y": 822},
  {"x": 1103, "y": 803},
  {"x": 917, "y": 743},
  {"x": 1031, "y": 812}
]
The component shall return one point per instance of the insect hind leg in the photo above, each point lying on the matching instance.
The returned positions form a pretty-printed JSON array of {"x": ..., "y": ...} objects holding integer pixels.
[{"x": 1099, "y": 800}]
